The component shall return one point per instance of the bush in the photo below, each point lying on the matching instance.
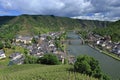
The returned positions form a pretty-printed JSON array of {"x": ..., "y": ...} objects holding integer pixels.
[
  {"x": 49, "y": 59},
  {"x": 30, "y": 59},
  {"x": 105, "y": 77},
  {"x": 1, "y": 45},
  {"x": 34, "y": 41},
  {"x": 65, "y": 61},
  {"x": 88, "y": 65},
  {"x": 7, "y": 45}
]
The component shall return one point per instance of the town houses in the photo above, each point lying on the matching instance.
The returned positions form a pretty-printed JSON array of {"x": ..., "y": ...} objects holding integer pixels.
[
  {"x": 2, "y": 54},
  {"x": 24, "y": 39},
  {"x": 38, "y": 46},
  {"x": 104, "y": 43},
  {"x": 16, "y": 58}
]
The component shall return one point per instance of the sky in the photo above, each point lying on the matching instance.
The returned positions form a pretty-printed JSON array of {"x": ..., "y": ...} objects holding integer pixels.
[{"x": 105, "y": 10}]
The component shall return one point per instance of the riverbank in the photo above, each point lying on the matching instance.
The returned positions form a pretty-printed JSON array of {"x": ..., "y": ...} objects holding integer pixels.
[
  {"x": 109, "y": 65},
  {"x": 83, "y": 42},
  {"x": 101, "y": 51},
  {"x": 105, "y": 52}
]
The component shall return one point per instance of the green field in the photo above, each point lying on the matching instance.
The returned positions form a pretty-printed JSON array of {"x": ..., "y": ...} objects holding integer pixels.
[{"x": 41, "y": 72}]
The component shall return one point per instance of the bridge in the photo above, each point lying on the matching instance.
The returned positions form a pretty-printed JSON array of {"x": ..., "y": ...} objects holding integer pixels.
[{"x": 70, "y": 41}]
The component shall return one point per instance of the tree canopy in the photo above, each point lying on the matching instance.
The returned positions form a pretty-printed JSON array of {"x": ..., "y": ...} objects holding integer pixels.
[
  {"x": 49, "y": 59},
  {"x": 88, "y": 65},
  {"x": 1, "y": 45}
]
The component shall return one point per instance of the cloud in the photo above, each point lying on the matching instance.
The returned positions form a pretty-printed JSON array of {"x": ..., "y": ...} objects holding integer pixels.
[
  {"x": 56, "y": 7},
  {"x": 97, "y": 16},
  {"x": 89, "y": 9},
  {"x": 33, "y": 6}
]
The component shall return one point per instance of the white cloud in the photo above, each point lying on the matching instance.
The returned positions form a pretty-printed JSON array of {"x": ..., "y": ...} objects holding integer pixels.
[
  {"x": 100, "y": 9},
  {"x": 97, "y": 16}
]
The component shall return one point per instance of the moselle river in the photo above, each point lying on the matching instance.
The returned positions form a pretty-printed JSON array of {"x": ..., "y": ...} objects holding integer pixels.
[{"x": 107, "y": 64}]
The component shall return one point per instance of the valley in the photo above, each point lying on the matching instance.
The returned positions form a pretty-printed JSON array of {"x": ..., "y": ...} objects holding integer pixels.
[{"x": 25, "y": 39}]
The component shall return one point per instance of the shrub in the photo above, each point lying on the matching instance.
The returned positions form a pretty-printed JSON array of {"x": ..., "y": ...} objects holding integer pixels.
[
  {"x": 30, "y": 59},
  {"x": 34, "y": 41},
  {"x": 1, "y": 45},
  {"x": 7, "y": 45},
  {"x": 49, "y": 59}
]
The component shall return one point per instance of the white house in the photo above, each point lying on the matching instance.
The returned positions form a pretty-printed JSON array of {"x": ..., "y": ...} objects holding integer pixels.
[
  {"x": 51, "y": 45},
  {"x": 24, "y": 39},
  {"x": 118, "y": 51},
  {"x": 98, "y": 42},
  {"x": 2, "y": 54},
  {"x": 104, "y": 44},
  {"x": 42, "y": 38}
]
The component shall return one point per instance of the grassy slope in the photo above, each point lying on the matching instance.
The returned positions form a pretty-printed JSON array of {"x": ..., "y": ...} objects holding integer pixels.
[{"x": 40, "y": 72}]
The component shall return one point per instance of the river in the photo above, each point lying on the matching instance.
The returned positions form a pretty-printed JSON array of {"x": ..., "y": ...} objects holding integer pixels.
[{"x": 108, "y": 65}]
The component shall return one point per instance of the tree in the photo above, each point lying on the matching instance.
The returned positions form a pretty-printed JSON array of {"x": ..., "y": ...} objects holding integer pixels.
[
  {"x": 1, "y": 45},
  {"x": 49, "y": 38},
  {"x": 88, "y": 65},
  {"x": 7, "y": 44},
  {"x": 49, "y": 59},
  {"x": 34, "y": 41}
]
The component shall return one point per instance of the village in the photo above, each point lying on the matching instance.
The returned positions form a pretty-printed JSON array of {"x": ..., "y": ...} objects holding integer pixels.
[
  {"x": 104, "y": 43},
  {"x": 54, "y": 42},
  {"x": 37, "y": 46}
]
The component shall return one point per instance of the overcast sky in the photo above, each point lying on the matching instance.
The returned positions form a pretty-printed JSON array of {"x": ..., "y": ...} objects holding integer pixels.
[{"x": 83, "y": 9}]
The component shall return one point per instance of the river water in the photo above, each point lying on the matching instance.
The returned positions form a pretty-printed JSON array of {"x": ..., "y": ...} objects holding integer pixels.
[{"x": 108, "y": 65}]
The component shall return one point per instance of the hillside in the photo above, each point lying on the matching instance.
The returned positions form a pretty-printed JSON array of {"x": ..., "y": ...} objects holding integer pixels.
[
  {"x": 5, "y": 19},
  {"x": 41, "y": 72},
  {"x": 112, "y": 30},
  {"x": 35, "y": 24}
]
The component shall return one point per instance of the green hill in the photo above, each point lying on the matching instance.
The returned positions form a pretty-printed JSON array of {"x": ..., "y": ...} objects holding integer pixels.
[
  {"x": 41, "y": 72},
  {"x": 112, "y": 30},
  {"x": 5, "y": 19},
  {"x": 35, "y": 24}
]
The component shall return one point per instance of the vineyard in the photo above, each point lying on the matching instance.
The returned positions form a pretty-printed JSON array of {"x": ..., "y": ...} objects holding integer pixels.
[{"x": 41, "y": 72}]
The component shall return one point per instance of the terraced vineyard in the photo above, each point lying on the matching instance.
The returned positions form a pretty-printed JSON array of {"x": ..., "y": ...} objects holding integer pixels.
[
  {"x": 10, "y": 26},
  {"x": 41, "y": 72}
]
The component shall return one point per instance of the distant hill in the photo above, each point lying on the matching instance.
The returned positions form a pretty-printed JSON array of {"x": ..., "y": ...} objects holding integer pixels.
[
  {"x": 112, "y": 30},
  {"x": 35, "y": 24},
  {"x": 5, "y": 19},
  {"x": 41, "y": 72}
]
